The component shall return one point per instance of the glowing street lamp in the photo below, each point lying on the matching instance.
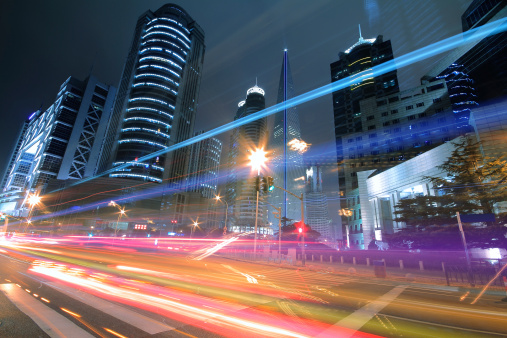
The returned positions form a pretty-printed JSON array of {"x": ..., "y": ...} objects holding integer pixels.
[
  {"x": 195, "y": 224},
  {"x": 122, "y": 212},
  {"x": 257, "y": 161},
  {"x": 33, "y": 200},
  {"x": 217, "y": 197}
]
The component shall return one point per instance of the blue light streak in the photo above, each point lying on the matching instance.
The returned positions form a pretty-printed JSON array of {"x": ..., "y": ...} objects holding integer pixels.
[{"x": 408, "y": 59}]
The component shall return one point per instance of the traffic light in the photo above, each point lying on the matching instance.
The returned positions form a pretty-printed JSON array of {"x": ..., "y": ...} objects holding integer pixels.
[
  {"x": 264, "y": 185},
  {"x": 270, "y": 183},
  {"x": 257, "y": 183},
  {"x": 300, "y": 228}
]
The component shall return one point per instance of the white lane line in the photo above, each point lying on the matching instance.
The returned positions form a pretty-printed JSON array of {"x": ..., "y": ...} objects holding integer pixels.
[
  {"x": 360, "y": 317},
  {"x": 249, "y": 278},
  {"x": 50, "y": 321},
  {"x": 133, "y": 318}
]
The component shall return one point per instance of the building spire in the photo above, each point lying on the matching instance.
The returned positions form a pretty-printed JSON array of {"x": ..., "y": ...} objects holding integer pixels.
[{"x": 360, "y": 36}]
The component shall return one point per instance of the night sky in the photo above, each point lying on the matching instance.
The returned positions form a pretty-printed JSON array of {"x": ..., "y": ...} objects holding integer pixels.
[{"x": 45, "y": 42}]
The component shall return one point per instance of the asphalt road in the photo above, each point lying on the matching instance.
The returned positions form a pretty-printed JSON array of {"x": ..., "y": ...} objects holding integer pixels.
[{"x": 62, "y": 289}]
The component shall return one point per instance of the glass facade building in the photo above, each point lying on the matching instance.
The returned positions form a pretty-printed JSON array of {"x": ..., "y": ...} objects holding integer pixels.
[
  {"x": 157, "y": 97},
  {"x": 65, "y": 140},
  {"x": 240, "y": 190},
  {"x": 287, "y": 164}
]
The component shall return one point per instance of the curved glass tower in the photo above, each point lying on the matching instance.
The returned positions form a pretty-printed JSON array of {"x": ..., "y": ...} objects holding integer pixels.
[
  {"x": 156, "y": 103},
  {"x": 241, "y": 194}
]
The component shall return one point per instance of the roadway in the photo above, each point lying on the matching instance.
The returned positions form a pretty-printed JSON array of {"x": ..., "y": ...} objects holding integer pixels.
[{"x": 62, "y": 288}]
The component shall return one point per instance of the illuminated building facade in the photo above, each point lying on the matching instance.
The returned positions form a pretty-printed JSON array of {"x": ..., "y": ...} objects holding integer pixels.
[
  {"x": 203, "y": 166},
  {"x": 64, "y": 141},
  {"x": 483, "y": 61},
  {"x": 358, "y": 60},
  {"x": 202, "y": 180},
  {"x": 240, "y": 191},
  {"x": 14, "y": 153},
  {"x": 157, "y": 98},
  {"x": 287, "y": 163},
  {"x": 316, "y": 203}
]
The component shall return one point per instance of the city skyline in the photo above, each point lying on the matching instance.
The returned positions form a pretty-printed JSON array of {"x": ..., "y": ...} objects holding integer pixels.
[
  {"x": 102, "y": 65},
  {"x": 220, "y": 89}
]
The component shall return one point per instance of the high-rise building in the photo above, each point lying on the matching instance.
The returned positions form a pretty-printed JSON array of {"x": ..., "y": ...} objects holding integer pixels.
[
  {"x": 15, "y": 150},
  {"x": 484, "y": 61},
  {"x": 64, "y": 141},
  {"x": 287, "y": 163},
  {"x": 357, "y": 61},
  {"x": 240, "y": 192},
  {"x": 204, "y": 165},
  {"x": 157, "y": 98},
  {"x": 202, "y": 181},
  {"x": 316, "y": 203}
]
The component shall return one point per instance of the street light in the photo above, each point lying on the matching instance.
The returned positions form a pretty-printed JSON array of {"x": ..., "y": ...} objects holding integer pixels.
[
  {"x": 257, "y": 160},
  {"x": 122, "y": 212},
  {"x": 193, "y": 228},
  {"x": 33, "y": 200},
  {"x": 226, "y": 211}
]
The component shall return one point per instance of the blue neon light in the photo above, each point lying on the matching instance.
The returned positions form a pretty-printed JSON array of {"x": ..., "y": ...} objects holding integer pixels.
[{"x": 442, "y": 46}]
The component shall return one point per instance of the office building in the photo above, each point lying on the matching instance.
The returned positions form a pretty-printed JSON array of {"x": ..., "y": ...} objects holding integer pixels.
[
  {"x": 202, "y": 181},
  {"x": 286, "y": 162},
  {"x": 357, "y": 60},
  {"x": 241, "y": 195},
  {"x": 157, "y": 97},
  {"x": 15, "y": 151},
  {"x": 484, "y": 61},
  {"x": 317, "y": 216},
  {"x": 64, "y": 141}
]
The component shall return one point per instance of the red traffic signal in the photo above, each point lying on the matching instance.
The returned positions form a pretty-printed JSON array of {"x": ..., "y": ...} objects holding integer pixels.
[{"x": 300, "y": 227}]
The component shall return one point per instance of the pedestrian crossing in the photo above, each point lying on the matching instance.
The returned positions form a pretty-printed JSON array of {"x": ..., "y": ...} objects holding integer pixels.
[
  {"x": 300, "y": 278},
  {"x": 63, "y": 321},
  {"x": 51, "y": 322}
]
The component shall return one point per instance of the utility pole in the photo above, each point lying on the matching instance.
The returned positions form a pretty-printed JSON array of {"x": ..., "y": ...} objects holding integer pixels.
[
  {"x": 469, "y": 265},
  {"x": 302, "y": 219}
]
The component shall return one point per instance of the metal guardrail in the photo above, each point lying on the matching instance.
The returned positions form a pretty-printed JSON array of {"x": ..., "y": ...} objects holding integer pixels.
[{"x": 478, "y": 275}]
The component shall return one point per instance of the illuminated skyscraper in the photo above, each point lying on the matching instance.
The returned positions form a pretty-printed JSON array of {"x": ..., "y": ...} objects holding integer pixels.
[
  {"x": 241, "y": 193},
  {"x": 287, "y": 164},
  {"x": 64, "y": 141},
  {"x": 358, "y": 60},
  {"x": 157, "y": 98},
  {"x": 316, "y": 203}
]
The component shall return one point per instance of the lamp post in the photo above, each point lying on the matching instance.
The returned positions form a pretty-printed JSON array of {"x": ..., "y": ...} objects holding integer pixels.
[
  {"x": 33, "y": 200},
  {"x": 302, "y": 219},
  {"x": 193, "y": 229},
  {"x": 278, "y": 216},
  {"x": 122, "y": 212},
  {"x": 257, "y": 160},
  {"x": 226, "y": 211}
]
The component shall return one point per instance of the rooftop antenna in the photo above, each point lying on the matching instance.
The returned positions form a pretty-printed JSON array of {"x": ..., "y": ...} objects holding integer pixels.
[
  {"x": 256, "y": 81},
  {"x": 360, "y": 36}
]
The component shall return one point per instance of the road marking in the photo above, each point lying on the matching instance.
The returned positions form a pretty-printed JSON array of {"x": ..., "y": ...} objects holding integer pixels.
[
  {"x": 133, "y": 318},
  {"x": 50, "y": 321},
  {"x": 446, "y": 326},
  {"x": 360, "y": 317},
  {"x": 249, "y": 278}
]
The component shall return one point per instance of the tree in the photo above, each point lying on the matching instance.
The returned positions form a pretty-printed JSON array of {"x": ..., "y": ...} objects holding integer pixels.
[
  {"x": 474, "y": 184},
  {"x": 448, "y": 238}
]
